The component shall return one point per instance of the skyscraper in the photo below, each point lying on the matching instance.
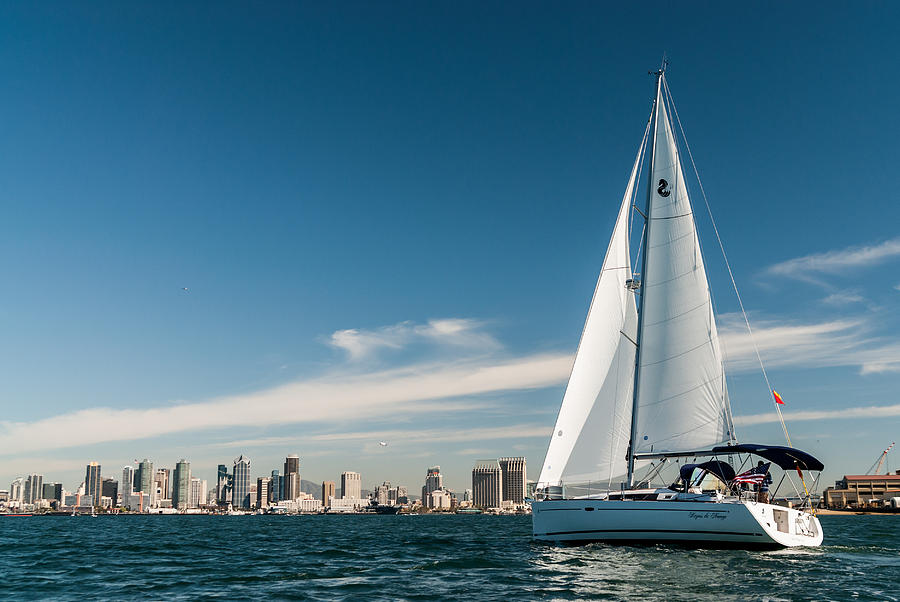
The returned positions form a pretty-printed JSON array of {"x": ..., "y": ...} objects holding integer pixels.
[
  {"x": 93, "y": 484},
  {"x": 110, "y": 489},
  {"x": 144, "y": 478},
  {"x": 127, "y": 485},
  {"x": 34, "y": 488},
  {"x": 434, "y": 480},
  {"x": 291, "y": 479},
  {"x": 17, "y": 490},
  {"x": 351, "y": 485},
  {"x": 52, "y": 491},
  {"x": 241, "y": 495},
  {"x": 181, "y": 485},
  {"x": 327, "y": 492},
  {"x": 263, "y": 484},
  {"x": 222, "y": 485},
  {"x": 513, "y": 479},
  {"x": 198, "y": 492},
  {"x": 486, "y": 484},
  {"x": 275, "y": 488}
]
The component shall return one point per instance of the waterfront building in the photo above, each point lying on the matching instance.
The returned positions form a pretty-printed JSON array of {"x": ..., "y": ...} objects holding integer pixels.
[
  {"x": 241, "y": 493},
  {"x": 351, "y": 485},
  {"x": 93, "y": 483},
  {"x": 434, "y": 480},
  {"x": 382, "y": 494},
  {"x": 110, "y": 488},
  {"x": 467, "y": 495},
  {"x": 402, "y": 496},
  {"x": 327, "y": 492},
  {"x": 163, "y": 483},
  {"x": 439, "y": 499},
  {"x": 862, "y": 490},
  {"x": 263, "y": 485},
  {"x": 17, "y": 491},
  {"x": 126, "y": 487},
  {"x": 181, "y": 485},
  {"x": 144, "y": 477},
  {"x": 198, "y": 492},
  {"x": 52, "y": 491},
  {"x": 34, "y": 484},
  {"x": 291, "y": 479},
  {"x": 486, "y": 484},
  {"x": 512, "y": 487},
  {"x": 347, "y": 504},
  {"x": 275, "y": 487}
]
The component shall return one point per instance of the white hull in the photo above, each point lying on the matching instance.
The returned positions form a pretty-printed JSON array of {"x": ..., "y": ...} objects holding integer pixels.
[{"x": 727, "y": 523}]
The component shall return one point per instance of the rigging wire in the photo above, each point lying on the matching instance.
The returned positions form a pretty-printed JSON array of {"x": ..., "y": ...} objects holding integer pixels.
[{"x": 727, "y": 265}]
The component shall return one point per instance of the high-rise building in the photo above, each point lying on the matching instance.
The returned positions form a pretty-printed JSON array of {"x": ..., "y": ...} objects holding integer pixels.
[
  {"x": 402, "y": 495},
  {"x": 52, "y": 491},
  {"x": 222, "y": 484},
  {"x": 263, "y": 485},
  {"x": 513, "y": 480},
  {"x": 486, "y": 484},
  {"x": 17, "y": 491},
  {"x": 110, "y": 488},
  {"x": 382, "y": 494},
  {"x": 93, "y": 484},
  {"x": 275, "y": 488},
  {"x": 34, "y": 488},
  {"x": 181, "y": 485},
  {"x": 327, "y": 492},
  {"x": 241, "y": 496},
  {"x": 127, "y": 484},
  {"x": 434, "y": 480},
  {"x": 351, "y": 485},
  {"x": 163, "y": 484},
  {"x": 198, "y": 492},
  {"x": 291, "y": 480},
  {"x": 144, "y": 478}
]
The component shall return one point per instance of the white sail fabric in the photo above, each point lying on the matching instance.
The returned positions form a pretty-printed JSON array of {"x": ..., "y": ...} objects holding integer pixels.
[
  {"x": 590, "y": 438},
  {"x": 682, "y": 400}
]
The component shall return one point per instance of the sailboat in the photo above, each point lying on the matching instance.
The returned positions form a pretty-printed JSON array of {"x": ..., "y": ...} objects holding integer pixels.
[{"x": 647, "y": 393}]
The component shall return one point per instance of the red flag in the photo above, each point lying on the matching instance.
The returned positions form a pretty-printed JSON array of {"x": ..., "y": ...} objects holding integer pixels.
[{"x": 778, "y": 398}]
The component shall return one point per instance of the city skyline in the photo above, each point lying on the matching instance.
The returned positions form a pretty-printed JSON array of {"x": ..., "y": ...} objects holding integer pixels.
[{"x": 221, "y": 249}]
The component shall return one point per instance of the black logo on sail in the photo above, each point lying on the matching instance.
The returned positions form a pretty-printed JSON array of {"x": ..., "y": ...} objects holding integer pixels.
[{"x": 662, "y": 190}]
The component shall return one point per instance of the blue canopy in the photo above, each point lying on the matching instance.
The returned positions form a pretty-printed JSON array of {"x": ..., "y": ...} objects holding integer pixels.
[
  {"x": 784, "y": 457},
  {"x": 722, "y": 470}
]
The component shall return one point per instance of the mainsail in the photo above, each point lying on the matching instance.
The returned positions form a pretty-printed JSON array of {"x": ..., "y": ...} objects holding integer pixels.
[
  {"x": 591, "y": 433},
  {"x": 682, "y": 401}
]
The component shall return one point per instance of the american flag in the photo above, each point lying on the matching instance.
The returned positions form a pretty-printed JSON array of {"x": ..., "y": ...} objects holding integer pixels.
[{"x": 754, "y": 475}]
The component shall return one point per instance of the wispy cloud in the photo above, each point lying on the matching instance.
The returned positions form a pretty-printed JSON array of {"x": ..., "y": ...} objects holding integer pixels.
[
  {"x": 341, "y": 396},
  {"x": 837, "y": 261},
  {"x": 842, "y": 298},
  {"x": 858, "y": 412},
  {"x": 360, "y": 343},
  {"x": 831, "y": 343}
]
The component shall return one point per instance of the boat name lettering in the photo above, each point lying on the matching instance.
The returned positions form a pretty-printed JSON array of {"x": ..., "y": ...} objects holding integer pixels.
[{"x": 715, "y": 515}]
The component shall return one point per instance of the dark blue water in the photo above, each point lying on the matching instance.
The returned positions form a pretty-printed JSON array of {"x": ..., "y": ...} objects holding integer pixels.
[{"x": 418, "y": 557}]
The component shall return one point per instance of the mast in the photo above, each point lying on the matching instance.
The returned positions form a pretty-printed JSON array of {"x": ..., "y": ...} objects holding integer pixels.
[{"x": 632, "y": 443}]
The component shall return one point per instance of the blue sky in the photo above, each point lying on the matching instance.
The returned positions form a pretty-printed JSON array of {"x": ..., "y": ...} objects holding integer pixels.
[{"x": 390, "y": 219}]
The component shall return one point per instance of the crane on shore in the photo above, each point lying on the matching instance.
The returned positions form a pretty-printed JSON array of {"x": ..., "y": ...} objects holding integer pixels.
[{"x": 880, "y": 461}]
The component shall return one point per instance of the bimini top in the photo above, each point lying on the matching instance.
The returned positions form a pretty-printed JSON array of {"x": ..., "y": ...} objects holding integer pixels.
[
  {"x": 717, "y": 468},
  {"x": 784, "y": 457}
]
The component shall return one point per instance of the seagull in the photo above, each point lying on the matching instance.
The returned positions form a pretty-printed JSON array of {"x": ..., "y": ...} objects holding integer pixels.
[
  {"x": 382, "y": 443},
  {"x": 185, "y": 289}
]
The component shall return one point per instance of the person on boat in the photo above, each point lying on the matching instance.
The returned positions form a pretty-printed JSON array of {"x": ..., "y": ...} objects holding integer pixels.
[{"x": 763, "y": 493}]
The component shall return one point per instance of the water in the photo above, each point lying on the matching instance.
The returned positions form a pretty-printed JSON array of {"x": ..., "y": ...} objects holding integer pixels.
[{"x": 418, "y": 557}]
